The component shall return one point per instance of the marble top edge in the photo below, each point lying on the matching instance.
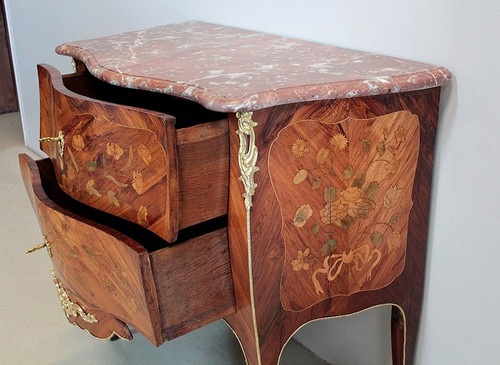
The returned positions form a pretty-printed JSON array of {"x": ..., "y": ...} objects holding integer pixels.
[{"x": 230, "y": 69}]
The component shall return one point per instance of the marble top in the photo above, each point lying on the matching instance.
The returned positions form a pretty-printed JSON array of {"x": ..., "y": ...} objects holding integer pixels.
[{"x": 229, "y": 69}]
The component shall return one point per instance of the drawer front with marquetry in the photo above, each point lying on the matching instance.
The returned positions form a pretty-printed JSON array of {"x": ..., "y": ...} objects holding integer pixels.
[
  {"x": 135, "y": 163},
  {"x": 105, "y": 277}
]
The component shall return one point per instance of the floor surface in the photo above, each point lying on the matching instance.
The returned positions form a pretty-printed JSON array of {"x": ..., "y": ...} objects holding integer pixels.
[{"x": 35, "y": 330}]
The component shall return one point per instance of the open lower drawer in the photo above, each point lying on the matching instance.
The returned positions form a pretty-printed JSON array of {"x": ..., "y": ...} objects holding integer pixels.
[
  {"x": 154, "y": 160},
  {"x": 109, "y": 271}
]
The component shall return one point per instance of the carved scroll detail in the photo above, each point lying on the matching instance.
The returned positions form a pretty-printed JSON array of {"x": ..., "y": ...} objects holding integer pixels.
[
  {"x": 71, "y": 309},
  {"x": 247, "y": 155}
]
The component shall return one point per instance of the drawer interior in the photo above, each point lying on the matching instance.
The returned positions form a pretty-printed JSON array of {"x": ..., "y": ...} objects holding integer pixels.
[{"x": 186, "y": 112}]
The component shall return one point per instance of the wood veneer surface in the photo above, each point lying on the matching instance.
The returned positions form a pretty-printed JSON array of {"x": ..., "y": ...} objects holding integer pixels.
[
  {"x": 135, "y": 163},
  {"x": 268, "y": 247}
]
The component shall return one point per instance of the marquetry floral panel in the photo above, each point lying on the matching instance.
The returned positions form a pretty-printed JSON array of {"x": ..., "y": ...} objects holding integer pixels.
[
  {"x": 98, "y": 267},
  {"x": 345, "y": 195},
  {"x": 117, "y": 169}
]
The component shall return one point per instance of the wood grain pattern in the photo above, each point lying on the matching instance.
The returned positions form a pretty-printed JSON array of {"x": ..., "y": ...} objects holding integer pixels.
[
  {"x": 201, "y": 137},
  {"x": 274, "y": 323},
  {"x": 344, "y": 191},
  {"x": 125, "y": 160},
  {"x": 242, "y": 321},
  {"x": 106, "y": 269},
  {"x": 117, "y": 159},
  {"x": 203, "y": 155},
  {"x": 194, "y": 283},
  {"x": 163, "y": 293}
]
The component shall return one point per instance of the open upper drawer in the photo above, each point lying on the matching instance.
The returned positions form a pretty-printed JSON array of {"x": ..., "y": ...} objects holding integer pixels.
[
  {"x": 117, "y": 272},
  {"x": 164, "y": 167}
]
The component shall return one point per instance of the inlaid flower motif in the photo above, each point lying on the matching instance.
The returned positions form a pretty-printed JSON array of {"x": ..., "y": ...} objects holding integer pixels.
[
  {"x": 300, "y": 176},
  {"x": 144, "y": 153},
  {"x": 137, "y": 182},
  {"x": 142, "y": 216},
  {"x": 400, "y": 134},
  {"x": 114, "y": 150},
  {"x": 350, "y": 203},
  {"x": 302, "y": 215},
  {"x": 392, "y": 196},
  {"x": 351, "y": 195},
  {"x": 131, "y": 304},
  {"x": 70, "y": 171},
  {"x": 299, "y": 148},
  {"x": 91, "y": 190},
  {"x": 392, "y": 166},
  {"x": 333, "y": 211},
  {"x": 300, "y": 263},
  {"x": 338, "y": 142},
  {"x": 113, "y": 199},
  {"x": 92, "y": 166},
  {"x": 121, "y": 273},
  {"x": 350, "y": 218},
  {"x": 394, "y": 241},
  {"x": 361, "y": 208},
  {"x": 77, "y": 142}
]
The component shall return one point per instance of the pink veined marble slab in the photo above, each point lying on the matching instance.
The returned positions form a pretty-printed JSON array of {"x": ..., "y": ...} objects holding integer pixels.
[{"x": 229, "y": 69}]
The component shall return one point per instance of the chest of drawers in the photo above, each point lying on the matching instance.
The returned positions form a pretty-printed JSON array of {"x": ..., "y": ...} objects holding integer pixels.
[{"x": 208, "y": 172}]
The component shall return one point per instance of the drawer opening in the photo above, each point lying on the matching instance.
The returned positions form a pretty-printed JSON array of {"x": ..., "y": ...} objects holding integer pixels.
[
  {"x": 186, "y": 112},
  {"x": 150, "y": 241}
]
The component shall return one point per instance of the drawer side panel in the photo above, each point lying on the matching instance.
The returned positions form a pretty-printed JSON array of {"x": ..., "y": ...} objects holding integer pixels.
[
  {"x": 203, "y": 157},
  {"x": 194, "y": 283}
]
